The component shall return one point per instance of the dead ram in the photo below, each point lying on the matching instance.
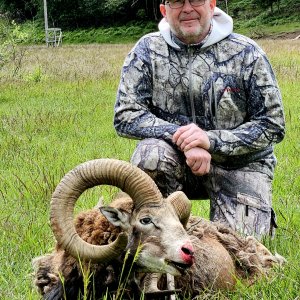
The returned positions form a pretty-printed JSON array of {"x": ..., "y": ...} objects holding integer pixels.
[{"x": 200, "y": 254}]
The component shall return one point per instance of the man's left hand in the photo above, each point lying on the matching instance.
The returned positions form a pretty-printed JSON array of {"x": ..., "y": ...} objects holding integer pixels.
[{"x": 198, "y": 160}]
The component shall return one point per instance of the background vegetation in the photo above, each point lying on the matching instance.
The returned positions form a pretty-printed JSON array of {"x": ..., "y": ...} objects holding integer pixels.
[
  {"x": 98, "y": 21},
  {"x": 92, "y": 13},
  {"x": 56, "y": 109}
]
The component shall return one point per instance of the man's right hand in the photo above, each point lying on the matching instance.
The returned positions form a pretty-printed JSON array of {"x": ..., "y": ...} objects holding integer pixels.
[
  {"x": 198, "y": 160},
  {"x": 190, "y": 136}
]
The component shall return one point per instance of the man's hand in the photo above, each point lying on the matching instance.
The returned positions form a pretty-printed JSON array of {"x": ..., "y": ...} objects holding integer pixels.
[
  {"x": 198, "y": 160},
  {"x": 190, "y": 136}
]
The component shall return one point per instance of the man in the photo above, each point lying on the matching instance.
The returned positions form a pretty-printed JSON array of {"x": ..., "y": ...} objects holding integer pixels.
[{"x": 206, "y": 104}]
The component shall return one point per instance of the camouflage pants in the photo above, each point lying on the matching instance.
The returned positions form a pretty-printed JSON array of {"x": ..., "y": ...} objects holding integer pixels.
[{"x": 240, "y": 198}]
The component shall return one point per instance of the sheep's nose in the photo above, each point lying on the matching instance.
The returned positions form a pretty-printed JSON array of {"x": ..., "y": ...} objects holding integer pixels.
[{"x": 187, "y": 251}]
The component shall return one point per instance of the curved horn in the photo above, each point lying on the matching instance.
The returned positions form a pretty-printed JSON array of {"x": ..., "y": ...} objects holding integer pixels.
[
  {"x": 182, "y": 206},
  {"x": 133, "y": 181}
]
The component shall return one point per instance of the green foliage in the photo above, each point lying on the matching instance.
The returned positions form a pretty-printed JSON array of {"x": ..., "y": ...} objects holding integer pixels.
[
  {"x": 35, "y": 76},
  {"x": 259, "y": 19},
  {"x": 255, "y": 12},
  {"x": 81, "y": 13},
  {"x": 114, "y": 5},
  {"x": 20, "y": 10},
  {"x": 99, "y": 14},
  {"x": 11, "y": 36},
  {"x": 117, "y": 34},
  {"x": 266, "y": 3},
  {"x": 106, "y": 18}
]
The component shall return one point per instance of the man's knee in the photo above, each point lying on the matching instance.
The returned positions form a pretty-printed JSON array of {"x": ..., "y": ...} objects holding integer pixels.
[
  {"x": 162, "y": 162},
  {"x": 155, "y": 154}
]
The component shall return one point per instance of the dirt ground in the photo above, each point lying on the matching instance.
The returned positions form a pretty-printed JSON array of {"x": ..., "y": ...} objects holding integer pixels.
[{"x": 285, "y": 35}]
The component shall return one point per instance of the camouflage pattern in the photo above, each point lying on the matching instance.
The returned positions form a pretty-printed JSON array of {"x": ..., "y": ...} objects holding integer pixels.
[
  {"x": 229, "y": 90},
  {"x": 239, "y": 198}
]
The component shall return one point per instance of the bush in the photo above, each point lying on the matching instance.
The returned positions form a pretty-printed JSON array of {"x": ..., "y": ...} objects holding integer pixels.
[{"x": 10, "y": 36}]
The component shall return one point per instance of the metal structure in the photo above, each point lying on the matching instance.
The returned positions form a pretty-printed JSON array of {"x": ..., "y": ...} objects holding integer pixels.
[
  {"x": 53, "y": 35},
  {"x": 226, "y": 7}
]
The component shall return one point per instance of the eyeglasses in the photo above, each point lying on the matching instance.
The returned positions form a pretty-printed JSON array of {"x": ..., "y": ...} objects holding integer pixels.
[{"x": 180, "y": 3}]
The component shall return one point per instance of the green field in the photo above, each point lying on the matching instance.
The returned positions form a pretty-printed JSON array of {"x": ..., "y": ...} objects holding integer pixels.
[{"x": 56, "y": 110}]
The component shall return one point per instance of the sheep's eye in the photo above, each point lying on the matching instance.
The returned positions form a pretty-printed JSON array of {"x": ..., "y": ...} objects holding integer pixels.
[{"x": 146, "y": 221}]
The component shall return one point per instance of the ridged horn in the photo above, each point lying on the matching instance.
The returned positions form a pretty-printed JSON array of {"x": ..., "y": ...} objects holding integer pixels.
[
  {"x": 182, "y": 206},
  {"x": 133, "y": 181}
]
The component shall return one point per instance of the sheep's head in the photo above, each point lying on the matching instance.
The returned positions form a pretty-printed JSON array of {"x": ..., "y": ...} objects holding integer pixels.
[
  {"x": 165, "y": 245},
  {"x": 156, "y": 224}
]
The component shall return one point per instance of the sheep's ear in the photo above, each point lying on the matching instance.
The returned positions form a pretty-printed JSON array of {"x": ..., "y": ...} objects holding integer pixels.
[{"x": 116, "y": 217}]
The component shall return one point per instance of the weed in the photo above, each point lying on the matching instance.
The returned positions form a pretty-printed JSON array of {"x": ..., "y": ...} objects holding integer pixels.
[{"x": 35, "y": 76}]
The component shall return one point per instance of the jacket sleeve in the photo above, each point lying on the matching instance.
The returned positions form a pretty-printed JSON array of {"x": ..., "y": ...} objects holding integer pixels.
[
  {"x": 133, "y": 117},
  {"x": 265, "y": 123}
]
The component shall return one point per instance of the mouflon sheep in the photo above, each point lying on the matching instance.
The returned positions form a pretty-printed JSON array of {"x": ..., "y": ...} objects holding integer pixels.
[{"x": 153, "y": 235}]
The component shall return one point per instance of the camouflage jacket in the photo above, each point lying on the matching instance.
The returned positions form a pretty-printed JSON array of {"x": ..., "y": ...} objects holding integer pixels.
[{"x": 226, "y": 87}]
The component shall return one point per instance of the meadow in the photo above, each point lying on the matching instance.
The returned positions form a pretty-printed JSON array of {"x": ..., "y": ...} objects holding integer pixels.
[{"x": 56, "y": 111}]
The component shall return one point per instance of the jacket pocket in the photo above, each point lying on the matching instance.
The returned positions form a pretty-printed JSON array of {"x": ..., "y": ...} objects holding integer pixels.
[
  {"x": 225, "y": 120},
  {"x": 253, "y": 216}
]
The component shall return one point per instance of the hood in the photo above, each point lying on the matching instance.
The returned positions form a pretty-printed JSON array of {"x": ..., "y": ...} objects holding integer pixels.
[{"x": 222, "y": 26}]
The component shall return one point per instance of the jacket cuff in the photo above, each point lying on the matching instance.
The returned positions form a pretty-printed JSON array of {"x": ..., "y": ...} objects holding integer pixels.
[{"x": 211, "y": 141}]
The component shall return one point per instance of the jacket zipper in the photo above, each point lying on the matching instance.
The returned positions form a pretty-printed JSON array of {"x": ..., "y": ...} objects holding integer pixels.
[{"x": 191, "y": 94}]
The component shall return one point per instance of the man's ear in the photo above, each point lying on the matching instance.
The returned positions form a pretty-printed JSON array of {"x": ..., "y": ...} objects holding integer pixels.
[
  {"x": 116, "y": 217},
  {"x": 212, "y": 5},
  {"x": 162, "y": 9}
]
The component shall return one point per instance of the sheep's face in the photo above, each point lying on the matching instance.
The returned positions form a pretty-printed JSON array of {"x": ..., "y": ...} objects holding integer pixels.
[{"x": 165, "y": 245}]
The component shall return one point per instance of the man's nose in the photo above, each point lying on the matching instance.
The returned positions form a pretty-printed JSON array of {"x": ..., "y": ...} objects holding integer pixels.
[{"x": 187, "y": 5}]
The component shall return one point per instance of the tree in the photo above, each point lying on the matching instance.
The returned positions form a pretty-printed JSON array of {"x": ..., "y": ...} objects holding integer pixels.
[
  {"x": 267, "y": 3},
  {"x": 83, "y": 13},
  {"x": 20, "y": 9}
]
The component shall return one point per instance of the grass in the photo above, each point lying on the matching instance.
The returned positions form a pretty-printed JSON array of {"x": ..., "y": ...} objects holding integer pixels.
[{"x": 56, "y": 112}]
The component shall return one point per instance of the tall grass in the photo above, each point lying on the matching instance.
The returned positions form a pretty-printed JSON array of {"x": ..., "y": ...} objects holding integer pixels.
[{"x": 57, "y": 111}]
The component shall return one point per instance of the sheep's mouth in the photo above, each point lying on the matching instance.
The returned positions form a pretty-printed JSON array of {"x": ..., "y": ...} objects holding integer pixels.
[{"x": 181, "y": 267}]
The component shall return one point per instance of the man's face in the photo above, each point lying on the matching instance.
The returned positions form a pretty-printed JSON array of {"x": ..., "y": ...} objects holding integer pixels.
[{"x": 189, "y": 23}]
